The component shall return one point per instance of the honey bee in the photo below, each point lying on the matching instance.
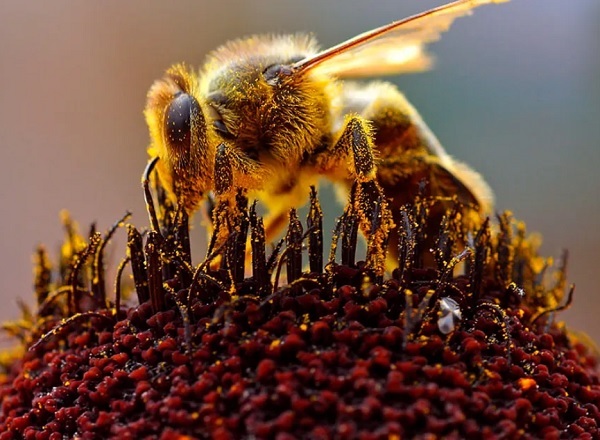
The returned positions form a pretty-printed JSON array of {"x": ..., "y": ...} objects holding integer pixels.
[{"x": 271, "y": 115}]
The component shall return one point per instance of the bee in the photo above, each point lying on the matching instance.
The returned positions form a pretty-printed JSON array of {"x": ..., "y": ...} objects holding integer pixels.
[{"x": 270, "y": 115}]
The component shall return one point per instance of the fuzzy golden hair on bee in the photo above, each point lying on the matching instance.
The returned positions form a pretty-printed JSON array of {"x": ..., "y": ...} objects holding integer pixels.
[
  {"x": 287, "y": 114},
  {"x": 270, "y": 48}
]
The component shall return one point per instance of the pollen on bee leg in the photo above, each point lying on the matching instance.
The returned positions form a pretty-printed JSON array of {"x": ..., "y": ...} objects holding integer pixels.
[
  {"x": 356, "y": 142},
  {"x": 226, "y": 212},
  {"x": 369, "y": 202},
  {"x": 362, "y": 148},
  {"x": 375, "y": 221},
  {"x": 223, "y": 171}
]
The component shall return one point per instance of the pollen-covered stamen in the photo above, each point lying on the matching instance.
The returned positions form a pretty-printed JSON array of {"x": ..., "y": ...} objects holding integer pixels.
[
  {"x": 293, "y": 241},
  {"x": 479, "y": 257},
  {"x": 98, "y": 283},
  {"x": 199, "y": 337},
  {"x": 257, "y": 243},
  {"x": 236, "y": 245},
  {"x": 135, "y": 250},
  {"x": 43, "y": 274},
  {"x": 314, "y": 223},
  {"x": 349, "y": 234},
  {"x": 154, "y": 266},
  {"x": 406, "y": 243}
]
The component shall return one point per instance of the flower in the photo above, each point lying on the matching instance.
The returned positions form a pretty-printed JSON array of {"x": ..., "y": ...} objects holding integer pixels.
[{"x": 465, "y": 348}]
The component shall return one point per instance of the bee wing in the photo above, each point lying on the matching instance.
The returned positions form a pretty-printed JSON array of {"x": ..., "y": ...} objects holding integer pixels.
[
  {"x": 398, "y": 47},
  {"x": 456, "y": 179}
]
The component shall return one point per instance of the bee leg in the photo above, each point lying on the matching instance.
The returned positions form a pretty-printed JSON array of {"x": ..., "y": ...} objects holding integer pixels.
[
  {"x": 222, "y": 205},
  {"x": 367, "y": 198},
  {"x": 223, "y": 172}
]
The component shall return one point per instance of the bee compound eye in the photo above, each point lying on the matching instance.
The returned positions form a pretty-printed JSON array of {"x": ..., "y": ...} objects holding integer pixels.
[{"x": 179, "y": 118}]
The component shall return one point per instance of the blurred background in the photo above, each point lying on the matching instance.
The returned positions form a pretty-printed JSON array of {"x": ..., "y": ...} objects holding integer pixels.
[{"x": 515, "y": 93}]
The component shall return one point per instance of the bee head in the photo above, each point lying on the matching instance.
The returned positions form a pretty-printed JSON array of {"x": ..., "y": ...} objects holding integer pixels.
[
  {"x": 274, "y": 115},
  {"x": 180, "y": 136}
]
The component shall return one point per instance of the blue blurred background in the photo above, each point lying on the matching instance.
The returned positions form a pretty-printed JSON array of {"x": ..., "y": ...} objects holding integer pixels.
[{"x": 515, "y": 93}]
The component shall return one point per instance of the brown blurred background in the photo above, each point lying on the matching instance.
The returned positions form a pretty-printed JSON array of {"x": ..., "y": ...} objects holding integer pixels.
[{"x": 515, "y": 94}]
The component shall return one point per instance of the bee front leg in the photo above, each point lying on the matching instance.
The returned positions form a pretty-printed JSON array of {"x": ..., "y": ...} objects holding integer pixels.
[
  {"x": 355, "y": 144},
  {"x": 226, "y": 214}
]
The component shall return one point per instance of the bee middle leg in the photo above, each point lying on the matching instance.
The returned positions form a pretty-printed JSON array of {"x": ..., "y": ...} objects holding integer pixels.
[
  {"x": 355, "y": 146},
  {"x": 228, "y": 203}
]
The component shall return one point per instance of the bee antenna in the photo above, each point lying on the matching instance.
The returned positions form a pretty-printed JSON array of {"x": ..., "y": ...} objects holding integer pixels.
[{"x": 148, "y": 194}]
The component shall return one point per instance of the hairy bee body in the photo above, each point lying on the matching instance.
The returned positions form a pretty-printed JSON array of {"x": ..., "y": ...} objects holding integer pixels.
[{"x": 271, "y": 115}]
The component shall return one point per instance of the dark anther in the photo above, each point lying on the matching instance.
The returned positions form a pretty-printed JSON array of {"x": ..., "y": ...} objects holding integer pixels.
[
  {"x": 504, "y": 250},
  {"x": 406, "y": 244},
  {"x": 135, "y": 250},
  {"x": 257, "y": 243},
  {"x": 154, "y": 271},
  {"x": 293, "y": 241},
  {"x": 349, "y": 236},
  {"x": 481, "y": 247},
  {"x": 43, "y": 274},
  {"x": 236, "y": 248},
  {"x": 314, "y": 222},
  {"x": 98, "y": 283},
  {"x": 118, "y": 294},
  {"x": 80, "y": 260}
]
